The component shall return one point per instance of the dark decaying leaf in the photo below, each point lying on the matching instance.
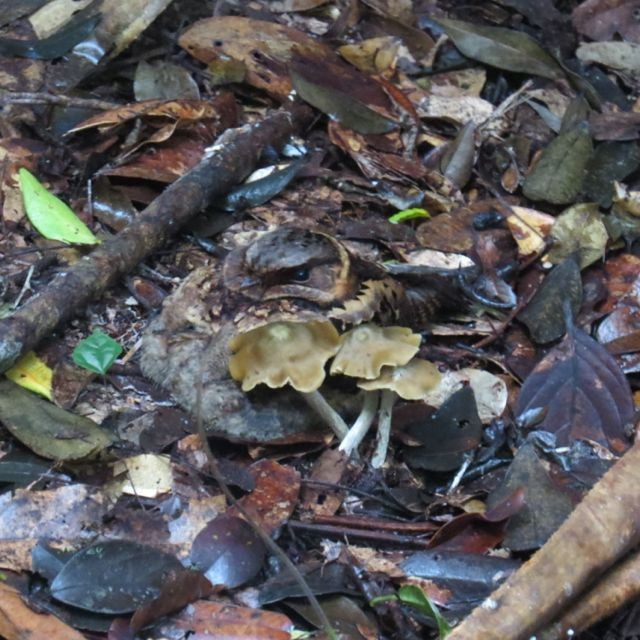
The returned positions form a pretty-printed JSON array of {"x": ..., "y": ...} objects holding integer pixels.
[
  {"x": 610, "y": 161},
  {"x": 274, "y": 496},
  {"x": 538, "y": 12},
  {"x": 46, "y": 429},
  {"x": 113, "y": 577},
  {"x": 478, "y": 532},
  {"x": 576, "y": 113},
  {"x": 329, "y": 578},
  {"x": 615, "y": 126},
  {"x": 584, "y": 393},
  {"x": 10, "y": 10},
  {"x": 22, "y": 468},
  {"x": 466, "y": 578},
  {"x": 608, "y": 19},
  {"x": 263, "y": 48},
  {"x": 332, "y": 87},
  {"x": 545, "y": 505},
  {"x": 502, "y": 48},
  {"x": 447, "y": 435},
  {"x": 205, "y": 620},
  {"x": 228, "y": 551},
  {"x": 346, "y": 617},
  {"x": 49, "y": 561},
  {"x": 458, "y": 160},
  {"x": 544, "y": 315},
  {"x": 179, "y": 589},
  {"x": 76, "y": 618},
  {"x": 559, "y": 173},
  {"x": 262, "y": 190},
  {"x": 55, "y": 45}
]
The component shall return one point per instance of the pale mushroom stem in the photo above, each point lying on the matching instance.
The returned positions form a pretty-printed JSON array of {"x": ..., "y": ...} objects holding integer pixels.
[
  {"x": 360, "y": 427},
  {"x": 330, "y": 416},
  {"x": 387, "y": 400}
]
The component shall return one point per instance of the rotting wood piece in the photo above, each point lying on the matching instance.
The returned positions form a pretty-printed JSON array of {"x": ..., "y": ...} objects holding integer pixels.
[
  {"x": 601, "y": 529},
  {"x": 229, "y": 161}
]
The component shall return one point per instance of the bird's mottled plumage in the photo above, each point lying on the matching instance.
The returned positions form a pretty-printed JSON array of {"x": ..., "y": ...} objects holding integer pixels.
[{"x": 286, "y": 274}]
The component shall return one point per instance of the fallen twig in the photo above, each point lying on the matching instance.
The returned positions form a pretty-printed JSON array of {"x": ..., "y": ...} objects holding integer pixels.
[
  {"x": 24, "y": 97},
  {"x": 601, "y": 529},
  {"x": 228, "y": 162},
  {"x": 619, "y": 586}
]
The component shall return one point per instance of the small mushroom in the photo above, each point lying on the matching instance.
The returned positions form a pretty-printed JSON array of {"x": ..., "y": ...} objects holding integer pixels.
[
  {"x": 368, "y": 348},
  {"x": 293, "y": 353},
  {"x": 411, "y": 382},
  {"x": 364, "y": 351}
]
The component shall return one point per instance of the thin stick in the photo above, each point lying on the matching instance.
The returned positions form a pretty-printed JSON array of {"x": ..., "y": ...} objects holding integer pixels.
[
  {"x": 23, "y": 97},
  {"x": 257, "y": 529},
  {"x": 225, "y": 164}
]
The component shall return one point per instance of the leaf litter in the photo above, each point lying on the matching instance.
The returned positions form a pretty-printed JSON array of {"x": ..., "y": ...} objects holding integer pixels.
[{"x": 502, "y": 139}]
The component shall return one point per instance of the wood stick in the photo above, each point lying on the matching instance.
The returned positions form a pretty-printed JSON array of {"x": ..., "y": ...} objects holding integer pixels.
[
  {"x": 618, "y": 587},
  {"x": 227, "y": 163},
  {"x": 601, "y": 529}
]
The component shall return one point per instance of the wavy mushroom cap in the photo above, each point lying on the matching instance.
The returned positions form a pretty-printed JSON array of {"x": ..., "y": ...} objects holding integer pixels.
[
  {"x": 411, "y": 382},
  {"x": 283, "y": 353},
  {"x": 368, "y": 348}
]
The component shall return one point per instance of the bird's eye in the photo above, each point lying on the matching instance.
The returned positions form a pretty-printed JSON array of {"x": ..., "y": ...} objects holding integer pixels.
[{"x": 300, "y": 275}]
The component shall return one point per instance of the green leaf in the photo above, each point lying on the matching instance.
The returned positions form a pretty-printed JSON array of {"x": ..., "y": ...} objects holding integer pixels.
[
  {"x": 502, "y": 48},
  {"x": 409, "y": 214},
  {"x": 49, "y": 215},
  {"x": 49, "y": 431},
  {"x": 560, "y": 172},
  {"x": 97, "y": 352},
  {"x": 415, "y": 597},
  {"x": 349, "y": 112}
]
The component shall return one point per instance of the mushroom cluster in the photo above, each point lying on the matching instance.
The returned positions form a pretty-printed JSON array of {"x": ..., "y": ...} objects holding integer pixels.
[{"x": 382, "y": 359}]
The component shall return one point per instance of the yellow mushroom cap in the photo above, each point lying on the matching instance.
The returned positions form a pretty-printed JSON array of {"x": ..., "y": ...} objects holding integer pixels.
[
  {"x": 283, "y": 353},
  {"x": 368, "y": 348},
  {"x": 411, "y": 381}
]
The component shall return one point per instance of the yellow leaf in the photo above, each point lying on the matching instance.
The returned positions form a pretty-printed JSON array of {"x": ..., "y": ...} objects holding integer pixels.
[
  {"x": 50, "y": 216},
  {"x": 33, "y": 374}
]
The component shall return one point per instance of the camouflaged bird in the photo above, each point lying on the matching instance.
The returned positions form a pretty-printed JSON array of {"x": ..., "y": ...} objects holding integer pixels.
[{"x": 286, "y": 274}]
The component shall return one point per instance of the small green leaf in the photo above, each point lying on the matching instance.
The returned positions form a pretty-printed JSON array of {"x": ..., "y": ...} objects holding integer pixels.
[
  {"x": 409, "y": 214},
  {"x": 414, "y": 596},
  {"x": 50, "y": 216},
  {"x": 97, "y": 352}
]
